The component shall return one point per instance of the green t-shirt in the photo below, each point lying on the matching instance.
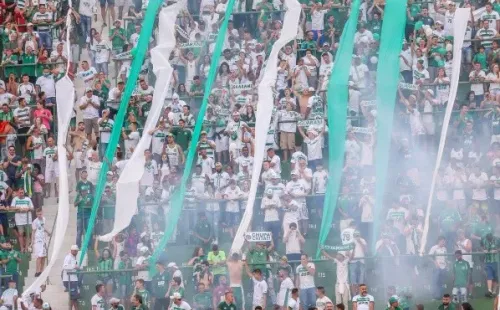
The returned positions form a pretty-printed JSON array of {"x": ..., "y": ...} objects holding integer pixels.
[
  {"x": 11, "y": 266},
  {"x": 125, "y": 277},
  {"x": 448, "y": 218},
  {"x": 10, "y": 67},
  {"x": 414, "y": 11},
  {"x": 433, "y": 60},
  {"x": 203, "y": 229},
  {"x": 496, "y": 7},
  {"x": 140, "y": 307},
  {"x": 84, "y": 204},
  {"x": 6, "y": 117},
  {"x": 84, "y": 186},
  {"x": 213, "y": 259},
  {"x": 204, "y": 300},
  {"x": 103, "y": 265},
  {"x": 258, "y": 258},
  {"x": 481, "y": 58},
  {"x": 160, "y": 285},
  {"x": 461, "y": 270},
  {"x": 182, "y": 137},
  {"x": 120, "y": 307},
  {"x": 489, "y": 246},
  {"x": 225, "y": 306},
  {"x": 482, "y": 229},
  {"x": 146, "y": 297},
  {"x": 118, "y": 43}
]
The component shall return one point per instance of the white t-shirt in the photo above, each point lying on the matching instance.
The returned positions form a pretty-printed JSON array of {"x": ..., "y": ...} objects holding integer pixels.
[
  {"x": 101, "y": 50},
  {"x": 259, "y": 290},
  {"x": 406, "y": 54},
  {"x": 131, "y": 142},
  {"x": 150, "y": 170},
  {"x": 321, "y": 302},
  {"x": 496, "y": 190},
  {"x": 93, "y": 171},
  {"x": 320, "y": 180},
  {"x": 47, "y": 85},
  {"x": 306, "y": 279},
  {"x": 314, "y": 150},
  {"x": 90, "y": 111},
  {"x": 183, "y": 306},
  {"x": 491, "y": 18},
  {"x": 318, "y": 19},
  {"x": 8, "y": 296},
  {"x": 22, "y": 218},
  {"x": 481, "y": 180},
  {"x": 271, "y": 214},
  {"x": 342, "y": 271},
  {"x": 98, "y": 301},
  {"x": 293, "y": 243},
  {"x": 477, "y": 88},
  {"x": 294, "y": 304},
  {"x": 363, "y": 302},
  {"x": 285, "y": 286},
  {"x": 105, "y": 128},
  {"x": 87, "y": 76},
  {"x": 441, "y": 260}
]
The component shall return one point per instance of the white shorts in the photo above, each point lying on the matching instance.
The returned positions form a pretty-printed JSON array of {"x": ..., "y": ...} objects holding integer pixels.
[
  {"x": 39, "y": 249},
  {"x": 344, "y": 297},
  {"x": 222, "y": 144},
  {"x": 79, "y": 163},
  {"x": 52, "y": 175}
]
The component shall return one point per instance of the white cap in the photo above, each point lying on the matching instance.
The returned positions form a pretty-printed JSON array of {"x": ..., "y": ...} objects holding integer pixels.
[
  {"x": 175, "y": 96},
  {"x": 269, "y": 191},
  {"x": 430, "y": 91},
  {"x": 144, "y": 249},
  {"x": 176, "y": 295},
  {"x": 294, "y": 172},
  {"x": 171, "y": 265},
  {"x": 114, "y": 300},
  {"x": 45, "y": 306},
  {"x": 74, "y": 247}
]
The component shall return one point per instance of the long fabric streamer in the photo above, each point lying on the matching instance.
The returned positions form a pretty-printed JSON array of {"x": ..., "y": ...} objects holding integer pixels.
[
  {"x": 177, "y": 200},
  {"x": 337, "y": 100},
  {"x": 459, "y": 27},
  {"x": 127, "y": 188},
  {"x": 65, "y": 96},
  {"x": 264, "y": 113},
  {"x": 141, "y": 49},
  {"x": 392, "y": 36}
]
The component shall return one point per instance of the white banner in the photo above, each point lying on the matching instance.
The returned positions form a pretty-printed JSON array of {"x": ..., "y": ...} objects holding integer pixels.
[
  {"x": 408, "y": 86},
  {"x": 264, "y": 112},
  {"x": 369, "y": 103},
  {"x": 65, "y": 97},
  {"x": 258, "y": 236},
  {"x": 363, "y": 130},
  {"x": 459, "y": 27},
  {"x": 127, "y": 188},
  {"x": 240, "y": 87}
]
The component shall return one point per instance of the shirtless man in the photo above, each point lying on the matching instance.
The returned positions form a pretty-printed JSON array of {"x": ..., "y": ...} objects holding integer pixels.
[
  {"x": 79, "y": 143},
  {"x": 235, "y": 267}
]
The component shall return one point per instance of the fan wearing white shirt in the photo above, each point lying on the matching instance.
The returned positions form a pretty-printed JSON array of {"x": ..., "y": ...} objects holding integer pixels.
[
  {"x": 313, "y": 140},
  {"x": 90, "y": 104},
  {"x": 259, "y": 287},
  {"x": 293, "y": 240},
  {"x": 363, "y": 301},
  {"x": 305, "y": 282},
  {"x": 98, "y": 302},
  {"x": 322, "y": 299},
  {"x": 286, "y": 286},
  {"x": 294, "y": 302},
  {"x": 232, "y": 193}
]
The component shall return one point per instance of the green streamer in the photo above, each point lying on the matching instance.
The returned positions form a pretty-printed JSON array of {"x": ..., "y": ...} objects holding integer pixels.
[
  {"x": 392, "y": 37},
  {"x": 142, "y": 48},
  {"x": 178, "y": 196},
  {"x": 337, "y": 99}
]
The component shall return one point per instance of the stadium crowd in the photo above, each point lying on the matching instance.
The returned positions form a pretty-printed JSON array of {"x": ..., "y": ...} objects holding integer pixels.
[{"x": 295, "y": 171}]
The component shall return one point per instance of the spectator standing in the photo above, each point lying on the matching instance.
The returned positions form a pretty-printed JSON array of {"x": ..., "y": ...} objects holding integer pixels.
[
  {"x": 305, "y": 282},
  {"x": 23, "y": 206},
  {"x": 90, "y": 104}
]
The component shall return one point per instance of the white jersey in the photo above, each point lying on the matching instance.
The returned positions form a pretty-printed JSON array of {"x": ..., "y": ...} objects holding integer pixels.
[
  {"x": 285, "y": 289},
  {"x": 98, "y": 302},
  {"x": 363, "y": 302},
  {"x": 306, "y": 279},
  {"x": 173, "y": 154},
  {"x": 49, "y": 154}
]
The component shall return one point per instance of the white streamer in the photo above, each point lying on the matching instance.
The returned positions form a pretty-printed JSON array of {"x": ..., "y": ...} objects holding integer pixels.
[
  {"x": 127, "y": 188},
  {"x": 264, "y": 112},
  {"x": 459, "y": 26},
  {"x": 65, "y": 96}
]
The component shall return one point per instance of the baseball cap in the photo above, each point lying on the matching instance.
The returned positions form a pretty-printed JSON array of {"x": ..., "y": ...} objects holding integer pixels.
[
  {"x": 392, "y": 300},
  {"x": 176, "y": 295},
  {"x": 171, "y": 265},
  {"x": 74, "y": 247},
  {"x": 88, "y": 89},
  {"x": 294, "y": 172}
]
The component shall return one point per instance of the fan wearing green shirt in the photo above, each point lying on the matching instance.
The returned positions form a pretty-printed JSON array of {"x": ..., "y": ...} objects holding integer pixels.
[
  {"x": 259, "y": 256},
  {"x": 461, "y": 270},
  {"x": 8, "y": 60},
  {"x": 393, "y": 304},
  {"x": 137, "y": 303},
  {"x": 12, "y": 259},
  {"x": 159, "y": 287},
  {"x": 83, "y": 203},
  {"x": 118, "y": 38},
  {"x": 217, "y": 260},
  {"x": 143, "y": 292},
  {"x": 228, "y": 303},
  {"x": 203, "y": 300},
  {"x": 491, "y": 246},
  {"x": 182, "y": 135},
  {"x": 115, "y": 304}
]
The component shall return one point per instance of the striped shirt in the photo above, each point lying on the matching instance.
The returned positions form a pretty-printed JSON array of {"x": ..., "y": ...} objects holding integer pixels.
[{"x": 486, "y": 34}]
